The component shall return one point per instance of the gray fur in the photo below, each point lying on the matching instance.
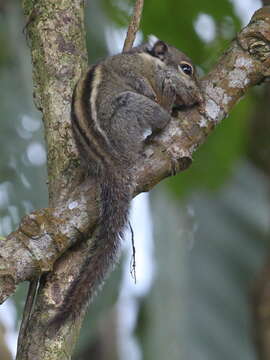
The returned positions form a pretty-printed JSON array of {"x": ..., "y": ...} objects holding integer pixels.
[{"x": 114, "y": 105}]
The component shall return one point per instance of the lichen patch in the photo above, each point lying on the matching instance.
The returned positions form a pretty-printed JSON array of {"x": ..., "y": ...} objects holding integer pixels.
[
  {"x": 238, "y": 78},
  {"x": 226, "y": 99},
  {"x": 73, "y": 205},
  {"x": 244, "y": 62},
  {"x": 203, "y": 122},
  {"x": 212, "y": 110},
  {"x": 217, "y": 94}
]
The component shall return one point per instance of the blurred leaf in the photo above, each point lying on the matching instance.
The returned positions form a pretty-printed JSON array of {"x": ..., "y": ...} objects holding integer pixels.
[
  {"x": 173, "y": 21},
  {"x": 22, "y": 184},
  {"x": 229, "y": 247},
  {"x": 5, "y": 53},
  {"x": 208, "y": 251},
  {"x": 95, "y": 24},
  {"x": 162, "y": 319},
  {"x": 118, "y": 11}
]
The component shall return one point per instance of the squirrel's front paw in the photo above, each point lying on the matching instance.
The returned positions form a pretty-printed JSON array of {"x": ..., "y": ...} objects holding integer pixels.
[{"x": 168, "y": 95}]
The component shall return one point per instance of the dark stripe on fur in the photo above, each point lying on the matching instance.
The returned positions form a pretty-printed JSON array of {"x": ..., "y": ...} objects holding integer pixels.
[
  {"x": 103, "y": 147},
  {"x": 82, "y": 139},
  {"x": 80, "y": 134}
]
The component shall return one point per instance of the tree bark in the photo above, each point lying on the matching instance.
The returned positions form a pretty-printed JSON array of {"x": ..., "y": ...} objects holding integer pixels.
[{"x": 57, "y": 37}]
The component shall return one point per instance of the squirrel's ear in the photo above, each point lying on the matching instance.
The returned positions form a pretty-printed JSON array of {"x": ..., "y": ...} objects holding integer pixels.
[{"x": 159, "y": 49}]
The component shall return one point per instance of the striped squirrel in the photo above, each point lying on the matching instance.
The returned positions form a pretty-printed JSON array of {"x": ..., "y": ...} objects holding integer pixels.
[{"x": 114, "y": 105}]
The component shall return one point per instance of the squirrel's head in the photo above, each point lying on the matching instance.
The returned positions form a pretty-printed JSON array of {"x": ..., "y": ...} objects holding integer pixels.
[
  {"x": 172, "y": 57},
  {"x": 180, "y": 70}
]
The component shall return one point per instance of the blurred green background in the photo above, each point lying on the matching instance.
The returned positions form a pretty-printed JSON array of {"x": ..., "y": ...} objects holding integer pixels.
[{"x": 205, "y": 237}]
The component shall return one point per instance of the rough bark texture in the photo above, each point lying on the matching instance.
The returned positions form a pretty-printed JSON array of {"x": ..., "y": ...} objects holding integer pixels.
[{"x": 57, "y": 36}]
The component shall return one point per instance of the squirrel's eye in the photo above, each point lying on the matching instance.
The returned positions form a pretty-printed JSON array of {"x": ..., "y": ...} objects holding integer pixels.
[{"x": 186, "y": 68}]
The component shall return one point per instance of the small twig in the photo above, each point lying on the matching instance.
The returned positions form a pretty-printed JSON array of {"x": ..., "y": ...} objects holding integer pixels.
[
  {"x": 134, "y": 25},
  {"x": 130, "y": 37},
  {"x": 27, "y": 312},
  {"x": 133, "y": 259}
]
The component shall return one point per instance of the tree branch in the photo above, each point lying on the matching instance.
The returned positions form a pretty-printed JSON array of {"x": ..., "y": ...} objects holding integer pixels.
[
  {"x": 134, "y": 25},
  {"x": 57, "y": 30}
]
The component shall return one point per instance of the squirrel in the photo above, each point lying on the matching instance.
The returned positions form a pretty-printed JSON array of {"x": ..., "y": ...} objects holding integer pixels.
[{"x": 115, "y": 104}]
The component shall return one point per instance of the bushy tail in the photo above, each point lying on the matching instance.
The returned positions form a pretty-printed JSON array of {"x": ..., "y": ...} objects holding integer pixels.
[{"x": 115, "y": 198}]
